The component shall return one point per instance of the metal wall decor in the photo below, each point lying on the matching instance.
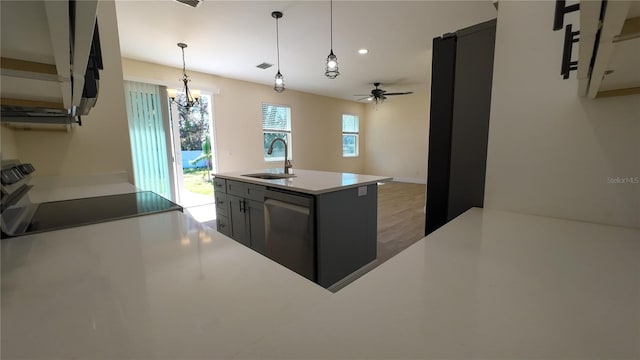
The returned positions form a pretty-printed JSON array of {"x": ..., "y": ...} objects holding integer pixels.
[{"x": 570, "y": 36}]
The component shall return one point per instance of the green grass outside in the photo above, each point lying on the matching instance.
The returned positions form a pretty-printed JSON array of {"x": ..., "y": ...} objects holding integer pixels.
[{"x": 196, "y": 181}]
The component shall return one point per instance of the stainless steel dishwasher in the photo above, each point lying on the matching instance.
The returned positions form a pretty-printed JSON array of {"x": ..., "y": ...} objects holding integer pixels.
[{"x": 290, "y": 230}]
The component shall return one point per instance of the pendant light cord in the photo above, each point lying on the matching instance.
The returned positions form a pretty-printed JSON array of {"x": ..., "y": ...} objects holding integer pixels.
[
  {"x": 331, "y": 17},
  {"x": 278, "y": 43},
  {"x": 184, "y": 65}
]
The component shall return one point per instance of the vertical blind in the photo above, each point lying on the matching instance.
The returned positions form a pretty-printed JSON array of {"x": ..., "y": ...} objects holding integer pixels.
[{"x": 148, "y": 138}]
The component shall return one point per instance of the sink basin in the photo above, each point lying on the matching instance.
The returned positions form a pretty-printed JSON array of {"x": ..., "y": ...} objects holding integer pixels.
[{"x": 270, "y": 176}]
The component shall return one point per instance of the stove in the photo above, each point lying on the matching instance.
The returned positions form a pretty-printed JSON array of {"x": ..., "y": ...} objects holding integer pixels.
[{"x": 21, "y": 217}]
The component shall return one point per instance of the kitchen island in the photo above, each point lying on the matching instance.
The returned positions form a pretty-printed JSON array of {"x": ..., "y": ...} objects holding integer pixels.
[
  {"x": 489, "y": 284},
  {"x": 322, "y": 225},
  {"x": 307, "y": 181}
]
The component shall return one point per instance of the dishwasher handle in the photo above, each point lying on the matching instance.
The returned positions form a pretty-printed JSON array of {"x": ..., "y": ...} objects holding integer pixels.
[
  {"x": 303, "y": 210},
  {"x": 299, "y": 199}
]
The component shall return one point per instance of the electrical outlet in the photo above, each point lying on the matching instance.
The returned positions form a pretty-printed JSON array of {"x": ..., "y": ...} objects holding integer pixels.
[{"x": 362, "y": 191}]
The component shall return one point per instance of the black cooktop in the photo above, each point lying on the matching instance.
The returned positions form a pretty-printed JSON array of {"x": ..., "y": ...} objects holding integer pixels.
[{"x": 77, "y": 212}]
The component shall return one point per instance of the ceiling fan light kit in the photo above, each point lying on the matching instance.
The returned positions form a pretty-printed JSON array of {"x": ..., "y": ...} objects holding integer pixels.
[
  {"x": 331, "y": 68},
  {"x": 279, "y": 79},
  {"x": 192, "y": 96}
]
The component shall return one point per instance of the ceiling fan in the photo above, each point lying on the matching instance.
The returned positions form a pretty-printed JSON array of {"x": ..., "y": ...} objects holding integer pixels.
[{"x": 378, "y": 95}]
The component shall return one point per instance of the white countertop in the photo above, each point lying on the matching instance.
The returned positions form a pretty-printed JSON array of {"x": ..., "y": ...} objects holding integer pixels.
[
  {"x": 307, "y": 181},
  {"x": 487, "y": 285}
]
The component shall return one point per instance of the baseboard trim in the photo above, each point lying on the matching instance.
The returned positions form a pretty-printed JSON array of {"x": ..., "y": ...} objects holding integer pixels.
[
  {"x": 353, "y": 276},
  {"x": 409, "y": 180}
]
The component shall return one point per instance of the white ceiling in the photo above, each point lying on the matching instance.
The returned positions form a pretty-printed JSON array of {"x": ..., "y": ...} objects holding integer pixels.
[{"x": 229, "y": 38}]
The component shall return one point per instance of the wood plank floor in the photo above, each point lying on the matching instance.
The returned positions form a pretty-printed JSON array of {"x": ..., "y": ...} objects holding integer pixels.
[{"x": 400, "y": 217}]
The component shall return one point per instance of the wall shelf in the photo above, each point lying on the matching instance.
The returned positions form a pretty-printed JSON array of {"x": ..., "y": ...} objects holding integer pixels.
[
  {"x": 609, "y": 48},
  {"x": 44, "y": 62}
]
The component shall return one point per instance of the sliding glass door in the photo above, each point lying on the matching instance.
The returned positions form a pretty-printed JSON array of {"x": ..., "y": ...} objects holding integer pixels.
[
  {"x": 194, "y": 148},
  {"x": 173, "y": 147}
]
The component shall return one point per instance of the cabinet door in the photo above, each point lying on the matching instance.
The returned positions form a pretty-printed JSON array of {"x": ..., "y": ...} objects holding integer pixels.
[
  {"x": 222, "y": 207},
  {"x": 222, "y": 223},
  {"x": 238, "y": 222},
  {"x": 219, "y": 185},
  {"x": 255, "y": 217}
]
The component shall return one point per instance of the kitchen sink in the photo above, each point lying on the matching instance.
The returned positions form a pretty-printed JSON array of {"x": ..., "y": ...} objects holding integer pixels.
[{"x": 270, "y": 176}]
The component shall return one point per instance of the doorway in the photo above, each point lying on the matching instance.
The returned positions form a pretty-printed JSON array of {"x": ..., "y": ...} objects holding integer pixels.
[{"x": 195, "y": 160}]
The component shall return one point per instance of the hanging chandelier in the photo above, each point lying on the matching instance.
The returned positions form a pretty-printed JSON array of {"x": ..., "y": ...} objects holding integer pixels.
[
  {"x": 331, "y": 69},
  {"x": 279, "y": 79},
  {"x": 192, "y": 97}
]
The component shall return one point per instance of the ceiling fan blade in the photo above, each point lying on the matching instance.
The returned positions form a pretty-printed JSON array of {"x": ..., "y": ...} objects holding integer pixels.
[
  {"x": 361, "y": 95},
  {"x": 368, "y": 98},
  {"x": 400, "y": 93}
]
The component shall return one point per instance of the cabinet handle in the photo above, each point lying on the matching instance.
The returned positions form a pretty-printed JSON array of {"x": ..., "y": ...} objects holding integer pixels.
[
  {"x": 242, "y": 205},
  {"x": 222, "y": 225}
]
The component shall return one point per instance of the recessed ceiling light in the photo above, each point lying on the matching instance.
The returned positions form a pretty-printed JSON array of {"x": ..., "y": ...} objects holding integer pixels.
[{"x": 363, "y": 51}]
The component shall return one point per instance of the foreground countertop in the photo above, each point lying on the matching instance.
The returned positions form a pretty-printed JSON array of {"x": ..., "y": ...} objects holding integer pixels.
[
  {"x": 307, "y": 181},
  {"x": 489, "y": 284}
]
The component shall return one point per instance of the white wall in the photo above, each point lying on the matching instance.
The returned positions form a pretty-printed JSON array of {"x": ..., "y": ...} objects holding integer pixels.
[
  {"x": 8, "y": 148},
  {"x": 551, "y": 152},
  {"x": 101, "y": 144},
  {"x": 316, "y": 120},
  {"x": 397, "y": 136}
]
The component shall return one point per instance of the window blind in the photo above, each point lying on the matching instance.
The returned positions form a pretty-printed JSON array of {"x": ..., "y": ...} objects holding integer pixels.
[
  {"x": 349, "y": 123},
  {"x": 276, "y": 117}
]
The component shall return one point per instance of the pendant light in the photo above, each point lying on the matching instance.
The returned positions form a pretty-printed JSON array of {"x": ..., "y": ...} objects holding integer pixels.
[
  {"x": 192, "y": 97},
  {"x": 279, "y": 79},
  {"x": 331, "y": 69}
]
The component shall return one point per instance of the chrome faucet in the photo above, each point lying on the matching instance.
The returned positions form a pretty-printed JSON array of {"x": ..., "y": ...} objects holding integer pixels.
[{"x": 287, "y": 162}]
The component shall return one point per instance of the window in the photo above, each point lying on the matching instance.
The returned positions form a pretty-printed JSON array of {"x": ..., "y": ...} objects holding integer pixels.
[
  {"x": 276, "y": 123},
  {"x": 350, "y": 130}
]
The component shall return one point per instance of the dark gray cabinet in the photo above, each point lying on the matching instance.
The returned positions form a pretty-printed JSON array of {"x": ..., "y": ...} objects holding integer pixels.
[
  {"x": 462, "y": 68},
  {"x": 343, "y": 226},
  {"x": 222, "y": 207},
  {"x": 254, "y": 216},
  {"x": 246, "y": 213},
  {"x": 238, "y": 219}
]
